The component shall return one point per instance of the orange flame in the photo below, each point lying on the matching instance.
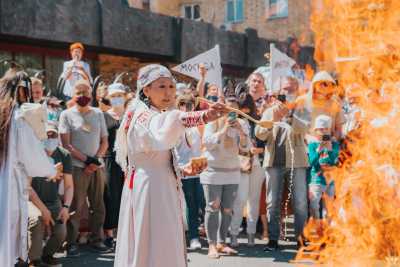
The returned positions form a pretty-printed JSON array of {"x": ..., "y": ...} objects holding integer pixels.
[{"x": 360, "y": 41}]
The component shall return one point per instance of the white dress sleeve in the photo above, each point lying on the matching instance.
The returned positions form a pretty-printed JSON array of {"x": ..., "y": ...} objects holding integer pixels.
[
  {"x": 162, "y": 131},
  {"x": 31, "y": 153}
]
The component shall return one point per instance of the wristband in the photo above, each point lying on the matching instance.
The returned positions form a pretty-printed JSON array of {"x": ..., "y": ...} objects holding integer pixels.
[{"x": 65, "y": 206}]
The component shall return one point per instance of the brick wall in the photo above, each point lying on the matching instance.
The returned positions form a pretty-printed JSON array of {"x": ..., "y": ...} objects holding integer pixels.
[{"x": 214, "y": 11}]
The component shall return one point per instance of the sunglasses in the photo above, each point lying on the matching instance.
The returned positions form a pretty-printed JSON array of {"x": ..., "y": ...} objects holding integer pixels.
[{"x": 325, "y": 84}]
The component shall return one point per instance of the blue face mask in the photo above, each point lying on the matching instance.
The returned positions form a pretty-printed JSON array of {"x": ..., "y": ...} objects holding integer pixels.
[
  {"x": 50, "y": 144},
  {"x": 117, "y": 101}
]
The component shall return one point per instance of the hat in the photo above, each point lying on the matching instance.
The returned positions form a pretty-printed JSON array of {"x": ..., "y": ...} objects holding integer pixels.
[
  {"x": 116, "y": 88},
  {"x": 51, "y": 127},
  {"x": 323, "y": 76},
  {"x": 323, "y": 121},
  {"x": 151, "y": 73}
]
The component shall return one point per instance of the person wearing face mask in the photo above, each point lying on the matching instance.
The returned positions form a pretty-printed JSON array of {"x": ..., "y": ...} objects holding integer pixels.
[
  {"x": 323, "y": 155},
  {"x": 84, "y": 134},
  {"x": 116, "y": 94},
  {"x": 188, "y": 148},
  {"x": 54, "y": 214},
  {"x": 21, "y": 156}
]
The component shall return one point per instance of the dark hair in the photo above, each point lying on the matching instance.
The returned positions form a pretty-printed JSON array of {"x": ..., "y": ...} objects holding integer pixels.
[
  {"x": 8, "y": 101},
  {"x": 144, "y": 98},
  {"x": 247, "y": 101},
  {"x": 241, "y": 88}
]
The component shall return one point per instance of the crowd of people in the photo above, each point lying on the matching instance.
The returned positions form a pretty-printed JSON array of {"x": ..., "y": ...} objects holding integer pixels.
[{"x": 133, "y": 171}]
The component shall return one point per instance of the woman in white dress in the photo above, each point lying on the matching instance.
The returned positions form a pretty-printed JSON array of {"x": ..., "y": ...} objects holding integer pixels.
[
  {"x": 151, "y": 230},
  {"x": 21, "y": 156}
]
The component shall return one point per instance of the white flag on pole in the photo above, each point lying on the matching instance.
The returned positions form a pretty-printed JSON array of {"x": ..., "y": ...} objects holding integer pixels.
[
  {"x": 211, "y": 60},
  {"x": 281, "y": 65}
]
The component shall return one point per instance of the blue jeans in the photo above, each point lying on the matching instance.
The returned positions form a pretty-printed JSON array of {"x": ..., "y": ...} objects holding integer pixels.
[
  {"x": 275, "y": 182},
  {"x": 194, "y": 198}
]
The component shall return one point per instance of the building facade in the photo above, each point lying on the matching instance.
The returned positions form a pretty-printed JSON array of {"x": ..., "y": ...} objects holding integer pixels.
[{"x": 273, "y": 19}]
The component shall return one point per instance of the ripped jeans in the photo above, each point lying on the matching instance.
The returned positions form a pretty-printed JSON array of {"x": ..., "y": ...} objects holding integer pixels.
[{"x": 219, "y": 202}]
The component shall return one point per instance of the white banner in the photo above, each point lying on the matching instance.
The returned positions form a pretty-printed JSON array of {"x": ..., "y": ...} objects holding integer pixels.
[
  {"x": 281, "y": 65},
  {"x": 211, "y": 60}
]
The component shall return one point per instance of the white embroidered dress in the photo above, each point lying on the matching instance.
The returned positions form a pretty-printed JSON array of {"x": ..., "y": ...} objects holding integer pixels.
[
  {"x": 151, "y": 229},
  {"x": 25, "y": 158}
]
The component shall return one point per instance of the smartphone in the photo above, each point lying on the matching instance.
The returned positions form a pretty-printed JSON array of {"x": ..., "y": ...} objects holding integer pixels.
[
  {"x": 326, "y": 137},
  {"x": 282, "y": 98},
  {"x": 232, "y": 116}
]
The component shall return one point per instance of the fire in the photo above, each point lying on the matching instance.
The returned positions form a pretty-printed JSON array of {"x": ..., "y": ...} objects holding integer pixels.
[{"x": 360, "y": 41}]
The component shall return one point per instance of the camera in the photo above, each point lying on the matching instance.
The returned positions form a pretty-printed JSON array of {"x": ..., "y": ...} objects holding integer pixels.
[
  {"x": 326, "y": 137},
  {"x": 281, "y": 98}
]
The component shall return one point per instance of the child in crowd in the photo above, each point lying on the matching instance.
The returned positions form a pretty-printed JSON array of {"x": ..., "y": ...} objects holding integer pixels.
[{"x": 323, "y": 155}]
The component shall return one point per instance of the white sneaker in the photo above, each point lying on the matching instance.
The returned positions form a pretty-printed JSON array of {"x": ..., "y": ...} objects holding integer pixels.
[
  {"x": 234, "y": 241},
  {"x": 195, "y": 244}
]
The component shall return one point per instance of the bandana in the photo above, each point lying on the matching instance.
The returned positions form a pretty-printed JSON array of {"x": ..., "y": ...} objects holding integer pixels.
[{"x": 151, "y": 73}]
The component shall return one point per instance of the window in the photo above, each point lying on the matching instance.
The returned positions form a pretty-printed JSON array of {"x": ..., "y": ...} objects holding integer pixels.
[
  {"x": 234, "y": 11},
  {"x": 191, "y": 11},
  {"x": 277, "y": 9}
]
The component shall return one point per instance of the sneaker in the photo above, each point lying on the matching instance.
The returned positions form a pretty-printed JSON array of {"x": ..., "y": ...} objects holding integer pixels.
[
  {"x": 51, "y": 261},
  {"x": 251, "y": 240},
  {"x": 234, "y": 241},
  {"x": 100, "y": 247},
  {"x": 272, "y": 246},
  {"x": 73, "y": 251},
  {"x": 195, "y": 244},
  {"x": 109, "y": 242}
]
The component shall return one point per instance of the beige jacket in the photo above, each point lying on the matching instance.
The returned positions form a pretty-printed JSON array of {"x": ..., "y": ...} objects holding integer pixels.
[{"x": 297, "y": 138}]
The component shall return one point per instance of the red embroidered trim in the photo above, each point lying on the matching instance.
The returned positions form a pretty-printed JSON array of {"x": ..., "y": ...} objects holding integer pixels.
[
  {"x": 143, "y": 117},
  {"x": 129, "y": 120},
  {"x": 193, "y": 119}
]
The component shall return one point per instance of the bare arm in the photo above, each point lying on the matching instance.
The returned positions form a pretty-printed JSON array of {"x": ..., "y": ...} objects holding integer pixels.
[
  {"x": 202, "y": 82},
  {"x": 68, "y": 189},
  {"x": 66, "y": 143},
  {"x": 103, "y": 147}
]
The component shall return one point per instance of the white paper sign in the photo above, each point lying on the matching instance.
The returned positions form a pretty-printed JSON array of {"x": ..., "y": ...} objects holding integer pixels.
[
  {"x": 281, "y": 65},
  {"x": 211, "y": 60}
]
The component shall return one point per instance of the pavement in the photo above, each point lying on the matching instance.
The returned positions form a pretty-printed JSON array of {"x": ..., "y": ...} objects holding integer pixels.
[{"x": 254, "y": 257}]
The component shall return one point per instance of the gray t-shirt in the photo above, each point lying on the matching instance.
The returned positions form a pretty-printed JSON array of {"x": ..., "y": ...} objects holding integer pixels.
[{"x": 86, "y": 130}]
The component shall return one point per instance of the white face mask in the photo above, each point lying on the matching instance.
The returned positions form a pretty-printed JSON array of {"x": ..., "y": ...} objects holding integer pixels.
[
  {"x": 50, "y": 144},
  {"x": 117, "y": 101},
  {"x": 291, "y": 98}
]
